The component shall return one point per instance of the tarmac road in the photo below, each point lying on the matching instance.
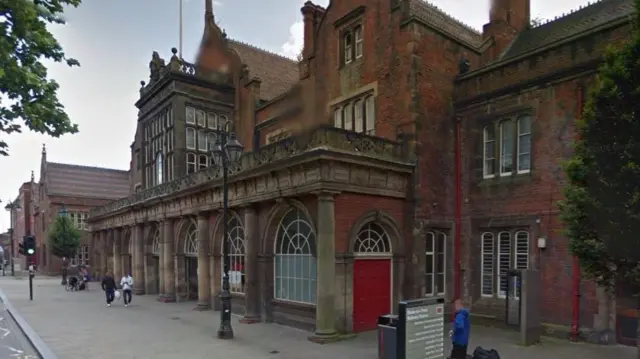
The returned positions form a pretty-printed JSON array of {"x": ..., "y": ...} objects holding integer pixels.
[{"x": 13, "y": 344}]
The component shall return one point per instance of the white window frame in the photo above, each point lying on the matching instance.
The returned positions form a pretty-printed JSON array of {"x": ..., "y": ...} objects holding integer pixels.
[
  {"x": 212, "y": 121},
  {"x": 358, "y": 116},
  {"x": 193, "y": 162},
  {"x": 359, "y": 44},
  {"x": 486, "y": 142},
  {"x": 191, "y": 132},
  {"x": 521, "y": 248},
  {"x": 347, "y": 41},
  {"x": 520, "y": 136},
  {"x": 159, "y": 175},
  {"x": 487, "y": 273},
  {"x": 202, "y": 164},
  {"x": 337, "y": 117},
  {"x": 506, "y": 137},
  {"x": 190, "y": 115},
  {"x": 201, "y": 118},
  {"x": 202, "y": 140},
  {"x": 433, "y": 236},
  {"x": 370, "y": 115},
  {"x": 347, "y": 115},
  {"x": 499, "y": 256}
]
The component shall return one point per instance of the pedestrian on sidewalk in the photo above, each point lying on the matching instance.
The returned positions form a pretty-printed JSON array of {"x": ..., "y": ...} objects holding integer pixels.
[
  {"x": 126, "y": 283},
  {"x": 460, "y": 331},
  {"x": 109, "y": 287}
]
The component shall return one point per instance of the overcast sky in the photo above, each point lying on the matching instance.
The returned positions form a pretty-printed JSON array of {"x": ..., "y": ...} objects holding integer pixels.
[{"x": 114, "y": 39}]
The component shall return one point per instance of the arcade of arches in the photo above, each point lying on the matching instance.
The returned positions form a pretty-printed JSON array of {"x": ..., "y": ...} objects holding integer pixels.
[{"x": 288, "y": 264}]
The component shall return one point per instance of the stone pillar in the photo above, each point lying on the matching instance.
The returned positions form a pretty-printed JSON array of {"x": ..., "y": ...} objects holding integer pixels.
[
  {"x": 326, "y": 270},
  {"x": 103, "y": 253},
  {"x": 117, "y": 254},
  {"x": 161, "y": 261},
  {"x": 167, "y": 260},
  {"x": 138, "y": 259},
  {"x": 204, "y": 280},
  {"x": 251, "y": 248}
]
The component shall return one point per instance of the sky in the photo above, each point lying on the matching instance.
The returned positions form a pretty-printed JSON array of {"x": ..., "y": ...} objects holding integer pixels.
[{"x": 113, "y": 40}]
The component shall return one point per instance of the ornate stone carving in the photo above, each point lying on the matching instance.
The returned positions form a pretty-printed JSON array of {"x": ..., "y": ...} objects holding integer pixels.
[{"x": 156, "y": 65}]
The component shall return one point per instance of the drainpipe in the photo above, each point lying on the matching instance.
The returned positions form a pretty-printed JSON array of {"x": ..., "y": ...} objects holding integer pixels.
[
  {"x": 458, "y": 210},
  {"x": 575, "y": 265}
]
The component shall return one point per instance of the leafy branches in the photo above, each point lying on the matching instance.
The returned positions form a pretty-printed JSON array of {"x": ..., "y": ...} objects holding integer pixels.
[
  {"x": 26, "y": 92},
  {"x": 64, "y": 238}
]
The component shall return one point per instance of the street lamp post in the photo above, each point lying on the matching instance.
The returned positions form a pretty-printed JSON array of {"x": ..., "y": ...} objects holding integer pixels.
[
  {"x": 225, "y": 150},
  {"x": 12, "y": 206}
]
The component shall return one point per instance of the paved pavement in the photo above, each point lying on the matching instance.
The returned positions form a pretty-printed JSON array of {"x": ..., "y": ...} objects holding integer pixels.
[
  {"x": 13, "y": 344},
  {"x": 78, "y": 325}
]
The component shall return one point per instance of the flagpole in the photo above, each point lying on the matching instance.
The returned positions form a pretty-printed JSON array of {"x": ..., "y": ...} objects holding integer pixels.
[{"x": 180, "y": 36}]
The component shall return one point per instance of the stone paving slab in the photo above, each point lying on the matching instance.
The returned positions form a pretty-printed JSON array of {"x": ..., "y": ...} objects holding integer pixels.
[
  {"x": 13, "y": 343},
  {"x": 78, "y": 325}
]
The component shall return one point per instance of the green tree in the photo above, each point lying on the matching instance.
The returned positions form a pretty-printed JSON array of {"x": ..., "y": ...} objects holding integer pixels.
[
  {"x": 601, "y": 209},
  {"x": 26, "y": 93},
  {"x": 64, "y": 238}
]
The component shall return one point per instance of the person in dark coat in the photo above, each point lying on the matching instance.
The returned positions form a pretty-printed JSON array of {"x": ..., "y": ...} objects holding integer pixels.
[{"x": 109, "y": 287}]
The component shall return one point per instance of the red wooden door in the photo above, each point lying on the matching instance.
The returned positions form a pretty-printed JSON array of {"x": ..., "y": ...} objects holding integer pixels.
[{"x": 371, "y": 292}]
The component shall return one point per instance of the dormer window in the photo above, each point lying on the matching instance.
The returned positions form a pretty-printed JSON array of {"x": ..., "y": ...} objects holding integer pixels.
[{"x": 352, "y": 44}]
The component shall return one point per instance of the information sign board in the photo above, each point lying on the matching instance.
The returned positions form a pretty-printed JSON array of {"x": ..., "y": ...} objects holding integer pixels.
[{"x": 421, "y": 329}]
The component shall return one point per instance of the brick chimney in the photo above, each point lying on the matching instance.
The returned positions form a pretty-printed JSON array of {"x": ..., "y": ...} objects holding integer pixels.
[
  {"x": 507, "y": 18},
  {"x": 311, "y": 14}
]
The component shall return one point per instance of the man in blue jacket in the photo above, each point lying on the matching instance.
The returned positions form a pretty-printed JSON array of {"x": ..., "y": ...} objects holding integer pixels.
[{"x": 460, "y": 332}]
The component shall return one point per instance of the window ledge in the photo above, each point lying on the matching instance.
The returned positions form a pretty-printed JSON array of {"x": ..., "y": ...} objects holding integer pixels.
[{"x": 501, "y": 180}]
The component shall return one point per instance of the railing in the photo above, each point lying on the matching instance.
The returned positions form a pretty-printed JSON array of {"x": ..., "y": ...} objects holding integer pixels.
[{"x": 324, "y": 137}]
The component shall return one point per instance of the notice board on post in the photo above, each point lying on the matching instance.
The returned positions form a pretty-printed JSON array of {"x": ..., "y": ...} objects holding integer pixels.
[{"x": 421, "y": 329}]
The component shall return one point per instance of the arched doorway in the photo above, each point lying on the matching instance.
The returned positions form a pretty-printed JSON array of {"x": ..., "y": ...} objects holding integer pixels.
[
  {"x": 191, "y": 261},
  {"x": 155, "y": 260},
  {"x": 372, "y": 276},
  {"x": 295, "y": 259}
]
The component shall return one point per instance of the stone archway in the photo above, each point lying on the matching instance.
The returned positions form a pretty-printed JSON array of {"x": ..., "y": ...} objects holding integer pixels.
[
  {"x": 152, "y": 259},
  {"x": 186, "y": 263},
  {"x": 236, "y": 240},
  {"x": 375, "y": 267},
  {"x": 288, "y": 239}
]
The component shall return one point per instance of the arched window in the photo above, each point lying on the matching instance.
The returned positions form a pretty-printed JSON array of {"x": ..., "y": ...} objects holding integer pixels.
[
  {"x": 191, "y": 241},
  {"x": 295, "y": 261},
  {"x": 347, "y": 115},
  {"x": 191, "y": 138},
  {"x": 489, "y": 151},
  {"x": 372, "y": 239},
  {"x": 159, "y": 169},
  {"x": 235, "y": 240},
  {"x": 370, "y": 115},
  {"x": 191, "y": 163},
  {"x": 358, "y": 116},
  {"x": 504, "y": 261},
  {"x": 506, "y": 147}
]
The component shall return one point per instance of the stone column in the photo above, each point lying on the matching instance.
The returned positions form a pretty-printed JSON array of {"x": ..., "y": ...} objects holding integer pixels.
[
  {"x": 167, "y": 259},
  {"x": 117, "y": 254},
  {"x": 204, "y": 280},
  {"x": 103, "y": 253},
  {"x": 161, "y": 260},
  {"x": 251, "y": 250},
  {"x": 326, "y": 270},
  {"x": 138, "y": 259}
]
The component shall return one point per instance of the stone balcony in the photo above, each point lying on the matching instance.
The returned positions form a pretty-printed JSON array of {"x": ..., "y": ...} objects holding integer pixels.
[{"x": 324, "y": 158}]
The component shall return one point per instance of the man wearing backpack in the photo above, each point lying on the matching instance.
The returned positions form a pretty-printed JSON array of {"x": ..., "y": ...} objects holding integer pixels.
[{"x": 460, "y": 331}]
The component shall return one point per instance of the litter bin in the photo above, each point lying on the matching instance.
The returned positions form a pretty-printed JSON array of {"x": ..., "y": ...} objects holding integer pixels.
[{"x": 387, "y": 336}]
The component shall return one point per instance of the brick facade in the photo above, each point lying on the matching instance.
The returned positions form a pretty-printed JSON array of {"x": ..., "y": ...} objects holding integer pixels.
[{"x": 401, "y": 77}]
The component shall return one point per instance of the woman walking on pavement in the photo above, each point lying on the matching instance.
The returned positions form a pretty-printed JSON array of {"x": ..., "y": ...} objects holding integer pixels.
[{"x": 109, "y": 287}]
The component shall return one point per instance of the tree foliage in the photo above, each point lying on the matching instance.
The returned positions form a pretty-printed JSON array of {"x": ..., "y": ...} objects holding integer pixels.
[
  {"x": 601, "y": 210},
  {"x": 64, "y": 238},
  {"x": 26, "y": 93}
]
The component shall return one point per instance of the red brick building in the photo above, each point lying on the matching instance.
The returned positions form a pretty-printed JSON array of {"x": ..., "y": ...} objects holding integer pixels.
[
  {"x": 77, "y": 189},
  {"x": 20, "y": 214},
  {"x": 404, "y": 155}
]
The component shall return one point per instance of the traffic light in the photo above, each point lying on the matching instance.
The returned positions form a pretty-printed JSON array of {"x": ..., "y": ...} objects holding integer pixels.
[
  {"x": 21, "y": 249},
  {"x": 30, "y": 245}
]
